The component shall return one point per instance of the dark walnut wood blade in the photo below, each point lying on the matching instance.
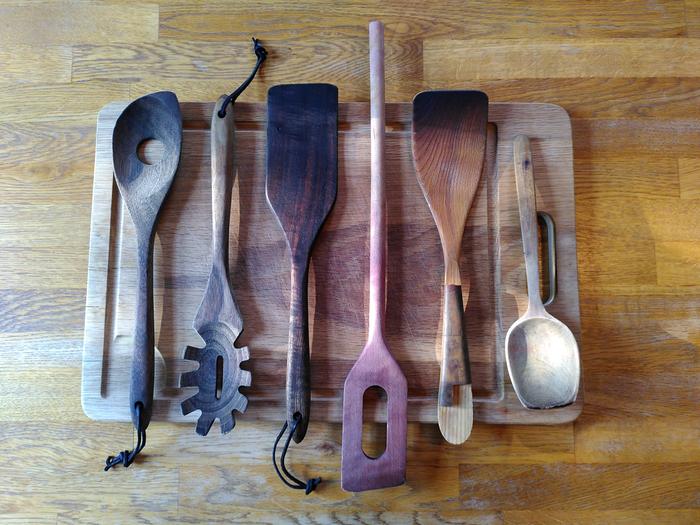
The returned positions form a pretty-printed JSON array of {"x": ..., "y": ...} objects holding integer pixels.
[
  {"x": 449, "y": 143},
  {"x": 301, "y": 185}
]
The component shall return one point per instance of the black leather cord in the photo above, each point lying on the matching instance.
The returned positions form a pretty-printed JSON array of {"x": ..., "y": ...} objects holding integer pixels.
[
  {"x": 261, "y": 53},
  {"x": 127, "y": 457},
  {"x": 291, "y": 481}
]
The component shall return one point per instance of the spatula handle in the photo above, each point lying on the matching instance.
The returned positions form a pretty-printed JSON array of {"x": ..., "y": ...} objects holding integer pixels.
[
  {"x": 142, "y": 367},
  {"x": 525, "y": 184},
  {"x": 455, "y": 356},
  {"x": 377, "y": 228},
  {"x": 298, "y": 363}
]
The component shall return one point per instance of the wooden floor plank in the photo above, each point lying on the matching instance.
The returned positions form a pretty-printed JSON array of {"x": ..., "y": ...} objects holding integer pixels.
[
  {"x": 455, "y": 19},
  {"x": 633, "y": 486},
  {"x": 689, "y": 176},
  {"x": 34, "y": 64},
  {"x": 454, "y": 60},
  {"x": 678, "y": 263},
  {"x": 81, "y": 22},
  {"x": 597, "y": 517}
]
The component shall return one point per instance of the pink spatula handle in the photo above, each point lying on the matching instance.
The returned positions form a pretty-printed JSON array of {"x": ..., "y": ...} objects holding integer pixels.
[{"x": 377, "y": 228}]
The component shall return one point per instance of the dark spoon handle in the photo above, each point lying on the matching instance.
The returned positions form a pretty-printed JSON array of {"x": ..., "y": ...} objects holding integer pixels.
[
  {"x": 143, "y": 356},
  {"x": 298, "y": 365}
]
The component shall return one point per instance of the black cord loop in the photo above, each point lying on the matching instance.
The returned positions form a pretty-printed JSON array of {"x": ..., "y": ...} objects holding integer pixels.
[
  {"x": 291, "y": 481},
  {"x": 127, "y": 457},
  {"x": 261, "y": 53}
]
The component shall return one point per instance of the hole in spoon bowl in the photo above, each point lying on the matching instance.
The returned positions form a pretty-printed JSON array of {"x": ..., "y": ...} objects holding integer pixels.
[{"x": 150, "y": 151}]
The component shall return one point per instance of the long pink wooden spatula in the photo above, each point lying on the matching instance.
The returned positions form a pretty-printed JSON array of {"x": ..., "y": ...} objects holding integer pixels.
[{"x": 375, "y": 366}]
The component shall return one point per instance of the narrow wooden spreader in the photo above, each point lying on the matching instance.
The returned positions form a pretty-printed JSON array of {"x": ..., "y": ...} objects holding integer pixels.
[
  {"x": 375, "y": 366},
  {"x": 449, "y": 144},
  {"x": 301, "y": 185}
]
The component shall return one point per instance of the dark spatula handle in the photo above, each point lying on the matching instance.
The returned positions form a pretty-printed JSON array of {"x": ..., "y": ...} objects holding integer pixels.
[
  {"x": 142, "y": 370},
  {"x": 298, "y": 362}
]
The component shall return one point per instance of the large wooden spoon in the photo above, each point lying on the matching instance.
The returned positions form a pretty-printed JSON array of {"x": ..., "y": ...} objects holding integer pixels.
[
  {"x": 541, "y": 352},
  {"x": 449, "y": 142},
  {"x": 144, "y": 188}
]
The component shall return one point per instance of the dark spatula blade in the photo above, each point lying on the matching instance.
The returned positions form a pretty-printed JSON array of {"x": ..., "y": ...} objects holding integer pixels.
[{"x": 302, "y": 158}]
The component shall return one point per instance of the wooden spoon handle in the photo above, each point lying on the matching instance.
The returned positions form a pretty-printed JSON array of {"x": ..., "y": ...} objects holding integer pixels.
[
  {"x": 222, "y": 146},
  {"x": 377, "y": 228},
  {"x": 298, "y": 363},
  {"x": 455, "y": 356},
  {"x": 142, "y": 367},
  {"x": 525, "y": 184}
]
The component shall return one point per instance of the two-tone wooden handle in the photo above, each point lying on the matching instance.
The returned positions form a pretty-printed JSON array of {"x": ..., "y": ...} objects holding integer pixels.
[
  {"x": 455, "y": 368},
  {"x": 525, "y": 185}
]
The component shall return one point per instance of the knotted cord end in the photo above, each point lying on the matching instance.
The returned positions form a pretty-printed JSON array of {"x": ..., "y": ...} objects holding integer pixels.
[
  {"x": 290, "y": 480},
  {"x": 261, "y": 53}
]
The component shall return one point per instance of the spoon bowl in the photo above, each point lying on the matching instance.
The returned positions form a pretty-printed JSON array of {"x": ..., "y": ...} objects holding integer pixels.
[{"x": 542, "y": 353}]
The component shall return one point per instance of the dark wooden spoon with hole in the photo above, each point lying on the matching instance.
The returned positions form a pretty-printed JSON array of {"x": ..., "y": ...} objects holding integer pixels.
[
  {"x": 449, "y": 144},
  {"x": 144, "y": 188},
  {"x": 301, "y": 185}
]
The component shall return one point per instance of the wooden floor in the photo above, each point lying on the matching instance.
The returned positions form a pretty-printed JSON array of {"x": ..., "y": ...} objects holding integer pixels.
[{"x": 628, "y": 72}]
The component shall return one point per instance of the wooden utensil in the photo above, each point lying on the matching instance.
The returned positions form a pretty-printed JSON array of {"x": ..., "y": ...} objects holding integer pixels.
[
  {"x": 375, "y": 366},
  {"x": 449, "y": 141},
  {"x": 218, "y": 320},
  {"x": 144, "y": 188},
  {"x": 541, "y": 352},
  {"x": 301, "y": 185}
]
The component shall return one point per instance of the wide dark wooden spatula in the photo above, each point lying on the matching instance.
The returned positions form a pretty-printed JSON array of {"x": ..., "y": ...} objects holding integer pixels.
[
  {"x": 302, "y": 181},
  {"x": 449, "y": 143}
]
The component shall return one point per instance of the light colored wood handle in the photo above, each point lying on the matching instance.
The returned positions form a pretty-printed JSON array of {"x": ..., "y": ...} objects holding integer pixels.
[
  {"x": 377, "y": 229},
  {"x": 222, "y": 146},
  {"x": 525, "y": 184}
]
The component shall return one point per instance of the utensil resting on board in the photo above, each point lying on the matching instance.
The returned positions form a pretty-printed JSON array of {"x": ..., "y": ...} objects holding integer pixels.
[
  {"x": 375, "y": 366},
  {"x": 218, "y": 320},
  {"x": 449, "y": 142},
  {"x": 144, "y": 188},
  {"x": 301, "y": 186},
  {"x": 541, "y": 352}
]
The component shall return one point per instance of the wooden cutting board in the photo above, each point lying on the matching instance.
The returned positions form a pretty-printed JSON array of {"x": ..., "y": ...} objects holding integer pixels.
[{"x": 492, "y": 264}]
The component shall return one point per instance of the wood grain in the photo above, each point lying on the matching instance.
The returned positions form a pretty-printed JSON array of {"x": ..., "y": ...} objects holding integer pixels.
[
  {"x": 689, "y": 178},
  {"x": 639, "y": 339},
  {"x": 577, "y": 486},
  {"x": 523, "y": 58},
  {"x": 72, "y": 23}
]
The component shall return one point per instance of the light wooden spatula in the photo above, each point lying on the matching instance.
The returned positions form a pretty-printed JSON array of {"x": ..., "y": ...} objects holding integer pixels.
[{"x": 449, "y": 142}]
